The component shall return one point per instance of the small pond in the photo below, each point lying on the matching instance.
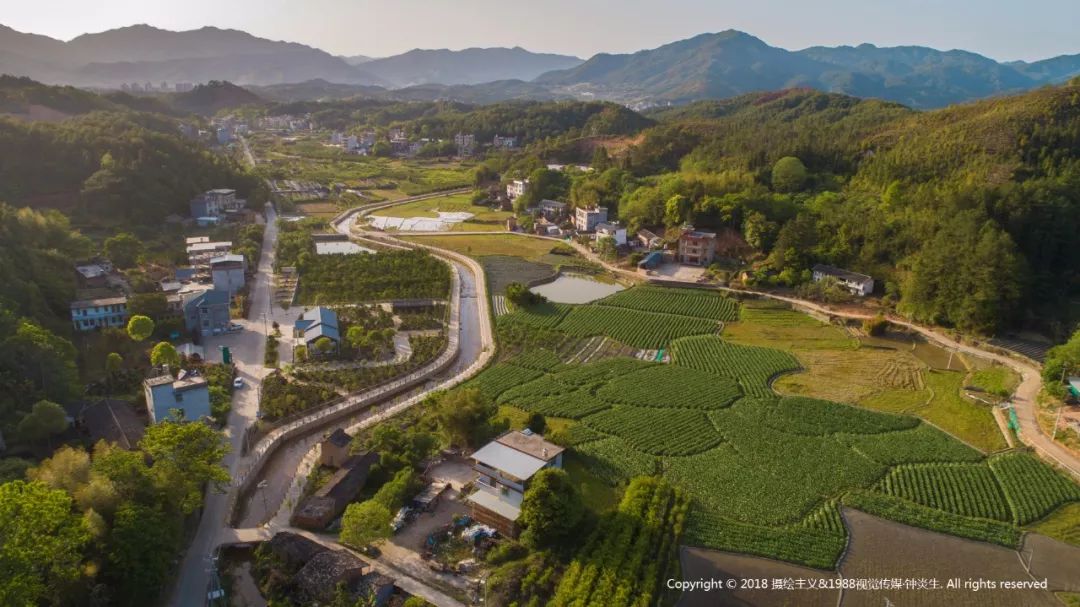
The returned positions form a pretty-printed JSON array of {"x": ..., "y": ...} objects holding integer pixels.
[{"x": 576, "y": 289}]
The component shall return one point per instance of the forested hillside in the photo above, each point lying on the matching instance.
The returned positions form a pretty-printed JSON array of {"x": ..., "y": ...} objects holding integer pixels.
[
  {"x": 966, "y": 213},
  {"x": 105, "y": 168}
]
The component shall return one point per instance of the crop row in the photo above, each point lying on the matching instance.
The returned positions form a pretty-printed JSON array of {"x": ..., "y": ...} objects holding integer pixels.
[
  {"x": 540, "y": 359},
  {"x": 601, "y": 371},
  {"x": 657, "y": 431},
  {"x": 635, "y": 328},
  {"x": 573, "y": 405},
  {"x": 801, "y": 415},
  {"x": 804, "y": 545},
  {"x": 753, "y": 367},
  {"x": 724, "y": 481},
  {"x": 669, "y": 386},
  {"x": 614, "y": 461},
  {"x": 910, "y": 513},
  {"x": 792, "y": 460},
  {"x": 685, "y": 302},
  {"x": 825, "y": 518},
  {"x": 1032, "y": 488},
  {"x": 502, "y": 377},
  {"x": 964, "y": 489},
  {"x": 923, "y": 443},
  {"x": 545, "y": 315}
]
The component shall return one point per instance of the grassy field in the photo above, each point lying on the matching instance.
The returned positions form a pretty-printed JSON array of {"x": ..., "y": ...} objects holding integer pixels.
[
  {"x": 852, "y": 376},
  {"x": 948, "y": 409},
  {"x": 385, "y": 178},
  {"x": 997, "y": 380},
  {"x": 1063, "y": 524},
  {"x": 765, "y": 472},
  {"x": 479, "y": 245},
  {"x": 786, "y": 329},
  {"x": 485, "y": 219}
]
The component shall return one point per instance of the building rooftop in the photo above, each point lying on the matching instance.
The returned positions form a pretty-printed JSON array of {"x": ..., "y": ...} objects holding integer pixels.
[
  {"x": 547, "y": 202},
  {"x": 93, "y": 303},
  {"x": 228, "y": 258},
  {"x": 493, "y": 503},
  {"x": 209, "y": 297},
  {"x": 189, "y": 382},
  {"x": 605, "y": 227},
  {"x": 160, "y": 380},
  {"x": 294, "y": 548},
  {"x": 531, "y": 444},
  {"x": 111, "y": 420},
  {"x": 691, "y": 233},
  {"x": 222, "y": 191},
  {"x": 339, "y": 438},
  {"x": 841, "y": 273}
]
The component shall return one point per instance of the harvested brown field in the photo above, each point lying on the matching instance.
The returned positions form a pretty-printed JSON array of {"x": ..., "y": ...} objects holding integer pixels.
[
  {"x": 880, "y": 548},
  {"x": 698, "y": 563}
]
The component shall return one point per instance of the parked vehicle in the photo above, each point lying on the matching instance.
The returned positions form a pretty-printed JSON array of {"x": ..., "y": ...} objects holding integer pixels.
[{"x": 238, "y": 383}]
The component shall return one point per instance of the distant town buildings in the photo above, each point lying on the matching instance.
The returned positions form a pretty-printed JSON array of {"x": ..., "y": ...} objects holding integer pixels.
[
  {"x": 516, "y": 188},
  {"x": 216, "y": 203},
  {"x": 465, "y": 143},
  {"x": 552, "y": 210},
  {"x": 504, "y": 143}
]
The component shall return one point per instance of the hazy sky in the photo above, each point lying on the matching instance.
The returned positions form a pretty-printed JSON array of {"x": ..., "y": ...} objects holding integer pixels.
[{"x": 1001, "y": 29}]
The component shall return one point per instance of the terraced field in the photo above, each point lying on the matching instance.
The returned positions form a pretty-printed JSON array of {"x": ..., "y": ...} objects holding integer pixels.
[{"x": 765, "y": 474}]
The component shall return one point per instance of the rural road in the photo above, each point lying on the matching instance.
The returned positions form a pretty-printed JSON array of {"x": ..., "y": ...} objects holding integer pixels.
[{"x": 247, "y": 348}]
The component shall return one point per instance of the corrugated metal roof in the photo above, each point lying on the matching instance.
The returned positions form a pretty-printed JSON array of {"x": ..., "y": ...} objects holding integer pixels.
[{"x": 509, "y": 460}]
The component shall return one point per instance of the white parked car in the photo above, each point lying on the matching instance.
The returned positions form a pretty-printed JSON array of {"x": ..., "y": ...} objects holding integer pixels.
[{"x": 238, "y": 383}]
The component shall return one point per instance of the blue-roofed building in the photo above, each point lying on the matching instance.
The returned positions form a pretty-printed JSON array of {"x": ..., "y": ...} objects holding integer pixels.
[
  {"x": 651, "y": 261},
  {"x": 316, "y": 323},
  {"x": 207, "y": 313}
]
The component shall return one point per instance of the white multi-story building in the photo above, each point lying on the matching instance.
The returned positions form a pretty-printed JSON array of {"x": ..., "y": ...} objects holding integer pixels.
[
  {"x": 516, "y": 188},
  {"x": 503, "y": 469},
  {"x": 587, "y": 218}
]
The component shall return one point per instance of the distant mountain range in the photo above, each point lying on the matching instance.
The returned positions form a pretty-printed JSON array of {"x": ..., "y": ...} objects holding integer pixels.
[
  {"x": 141, "y": 53},
  {"x": 731, "y": 63},
  {"x": 703, "y": 67},
  {"x": 469, "y": 66}
]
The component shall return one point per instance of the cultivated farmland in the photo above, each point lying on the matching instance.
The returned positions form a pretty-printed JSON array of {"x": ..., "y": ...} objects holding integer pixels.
[
  {"x": 685, "y": 302},
  {"x": 765, "y": 473}
]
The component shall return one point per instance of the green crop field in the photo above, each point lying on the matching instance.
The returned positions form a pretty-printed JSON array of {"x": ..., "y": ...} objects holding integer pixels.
[
  {"x": 686, "y": 302},
  {"x": 964, "y": 489},
  {"x": 765, "y": 473},
  {"x": 1032, "y": 488},
  {"x": 753, "y": 367},
  {"x": 633, "y": 327}
]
